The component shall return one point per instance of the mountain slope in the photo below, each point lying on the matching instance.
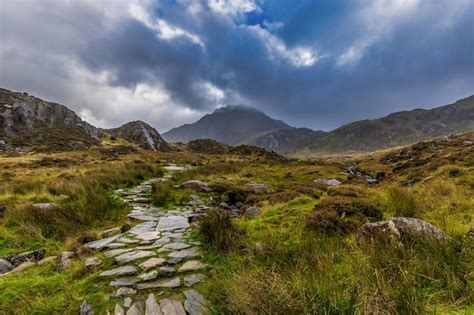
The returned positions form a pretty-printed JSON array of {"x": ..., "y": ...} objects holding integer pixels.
[
  {"x": 288, "y": 140},
  {"x": 399, "y": 128},
  {"x": 142, "y": 134},
  {"x": 230, "y": 125},
  {"x": 29, "y": 121}
]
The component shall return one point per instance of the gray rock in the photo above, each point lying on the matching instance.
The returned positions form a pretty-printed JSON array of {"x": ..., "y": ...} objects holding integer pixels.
[
  {"x": 172, "y": 307},
  {"x": 190, "y": 280},
  {"x": 147, "y": 226},
  {"x": 123, "y": 282},
  {"x": 258, "y": 187},
  {"x": 328, "y": 182},
  {"x": 191, "y": 265},
  {"x": 152, "y": 263},
  {"x": 5, "y": 266},
  {"x": 109, "y": 232},
  {"x": 92, "y": 261},
  {"x": 162, "y": 283},
  {"x": 152, "y": 307},
  {"x": 120, "y": 271},
  {"x": 166, "y": 271},
  {"x": 85, "y": 309},
  {"x": 116, "y": 252},
  {"x": 137, "y": 308},
  {"x": 131, "y": 256},
  {"x": 177, "y": 256},
  {"x": 21, "y": 267},
  {"x": 126, "y": 240},
  {"x": 99, "y": 244},
  {"x": 46, "y": 207},
  {"x": 176, "y": 246},
  {"x": 125, "y": 291},
  {"x": 65, "y": 260},
  {"x": 34, "y": 255},
  {"x": 148, "y": 276},
  {"x": 252, "y": 212},
  {"x": 127, "y": 302},
  {"x": 118, "y": 310},
  {"x": 195, "y": 303},
  {"x": 196, "y": 185},
  {"x": 149, "y": 236},
  {"x": 406, "y": 228},
  {"x": 143, "y": 217},
  {"x": 114, "y": 245},
  {"x": 172, "y": 222},
  {"x": 47, "y": 260}
]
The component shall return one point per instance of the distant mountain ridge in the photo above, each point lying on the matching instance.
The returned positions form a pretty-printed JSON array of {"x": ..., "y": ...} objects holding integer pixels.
[
  {"x": 396, "y": 129},
  {"x": 230, "y": 125},
  {"x": 27, "y": 121}
]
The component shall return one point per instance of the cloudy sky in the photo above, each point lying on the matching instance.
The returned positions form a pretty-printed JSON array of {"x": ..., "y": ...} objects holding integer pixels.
[{"x": 313, "y": 63}]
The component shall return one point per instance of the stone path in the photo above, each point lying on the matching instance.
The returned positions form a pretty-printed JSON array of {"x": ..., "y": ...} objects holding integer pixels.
[{"x": 152, "y": 267}]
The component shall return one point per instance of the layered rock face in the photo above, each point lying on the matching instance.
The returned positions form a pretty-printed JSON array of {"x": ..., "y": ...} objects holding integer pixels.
[
  {"x": 142, "y": 134},
  {"x": 27, "y": 120}
]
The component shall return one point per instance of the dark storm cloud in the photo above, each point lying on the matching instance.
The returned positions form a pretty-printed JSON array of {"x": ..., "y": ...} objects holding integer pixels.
[{"x": 310, "y": 63}]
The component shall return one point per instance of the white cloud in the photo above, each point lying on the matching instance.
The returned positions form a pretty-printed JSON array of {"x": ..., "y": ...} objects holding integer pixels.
[
  {"x": 232, "y": 8},
  {"x": 299, "y": 56},
  {"x": 163, "y": 29},
  {"x": 212, "y": 92}
]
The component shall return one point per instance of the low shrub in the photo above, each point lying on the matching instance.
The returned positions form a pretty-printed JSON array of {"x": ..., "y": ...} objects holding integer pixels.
[{"x": 218, "y": 231}]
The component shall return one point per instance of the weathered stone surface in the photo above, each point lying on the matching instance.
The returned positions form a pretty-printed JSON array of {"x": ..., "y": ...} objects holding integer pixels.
[
  {"x": 47, "y": 260},
  {"x": 118, "y": 310},
  {"x": 148, "y": 276},
  {"x": 258, "y": 187},
  {"x": 176, "y": 246},
  {"x": 252, "y": 212},
  {"x": 162, "y": 283},
  {"x": 152, "y": 263},
  {"x": 166, "y": 271},
  {"x": 142, "y": 217},
  {"x": 406, "y": 228},
  {"x": 172, "y": 222},
  {"x": 195, "y": 303},
  {"x": 116, "y": 252},
  {"x": 125, "y": 291},
  {"x": 191, "y": 265},
  {"x": 328, "y": 182},
  {"x": 196, "y": 185},
  {"x": 120, "y": 271},
  {"x": 99, "y": 244},
  {"x": 85, "y": 309},
  {"x": 137, "y": 308},
  {"x": 23, "y": 266},
  {"x": 147, "y": 226},
  {"x": 92, "y": 261},
  {"x": 152, "y": 307},
  {"x": 190, "y": 280},
  {"x": 172, "y": 307},
  {"x": 127, "y": 302},
  {"x": 5, "y": 266},
  {"x": 177, "y": 256},
  {"x": 114, "y": 245},
  {"x": 34, "y": 255},
  {"x": 149, "y": 236},
  {"x": 131, "y": 256},
  {"x": 123, "y": 282},
  {"x": 109, "y": 232},
  {"x": 65, "y": 260},
  {"x": 126, "y": 240}
]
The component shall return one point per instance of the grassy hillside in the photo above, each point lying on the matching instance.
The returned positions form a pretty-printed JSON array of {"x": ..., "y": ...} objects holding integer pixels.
[{"x": 302, "y": 254}]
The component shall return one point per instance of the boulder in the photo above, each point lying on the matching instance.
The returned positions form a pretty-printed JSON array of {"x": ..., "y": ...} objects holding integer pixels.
[
  {"x": 196, "y": 185},
  {"x": 258, "y": 187},
  {"x": 328, "y": 182},
  {"x": 46, "y": 206},
  {"x": 92, "y": 261},
  {"x": 85, "y": 309},
  {"x": 5, "y": 266},
  {"x": 252, "y": 212},
  {"x": 65, "y": 260},
  {"x": 404, "y": 228},
  {"x": 35, "y": 255}
]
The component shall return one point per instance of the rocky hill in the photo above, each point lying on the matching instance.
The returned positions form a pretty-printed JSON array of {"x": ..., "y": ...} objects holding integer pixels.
[
  {"x": 142, "y": 134},
  {"x": 399, "y": 128},
  {"x": 29, "y": 121},
  {"x": 231, "y": 125}
]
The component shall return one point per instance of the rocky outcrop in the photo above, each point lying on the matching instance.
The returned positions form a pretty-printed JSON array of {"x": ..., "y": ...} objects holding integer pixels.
[
  {"x": 141, "y": 134},
  {"x": 29, "y": 121},
  {"x": 196, "y": 185},
  {"x": 404, "y": 228}
]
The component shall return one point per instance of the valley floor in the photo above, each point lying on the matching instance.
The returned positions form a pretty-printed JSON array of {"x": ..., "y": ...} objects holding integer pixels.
[{"x": 276, "y": 237}]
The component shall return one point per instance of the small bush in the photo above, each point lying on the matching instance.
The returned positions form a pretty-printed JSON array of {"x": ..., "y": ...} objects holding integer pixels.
[
  {"x": 402, "y": 202},
  {"x": 219, "y": 232}
]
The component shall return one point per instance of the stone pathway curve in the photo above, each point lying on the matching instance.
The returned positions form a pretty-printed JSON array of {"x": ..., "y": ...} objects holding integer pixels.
[{"x": 153, "y": 267}]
